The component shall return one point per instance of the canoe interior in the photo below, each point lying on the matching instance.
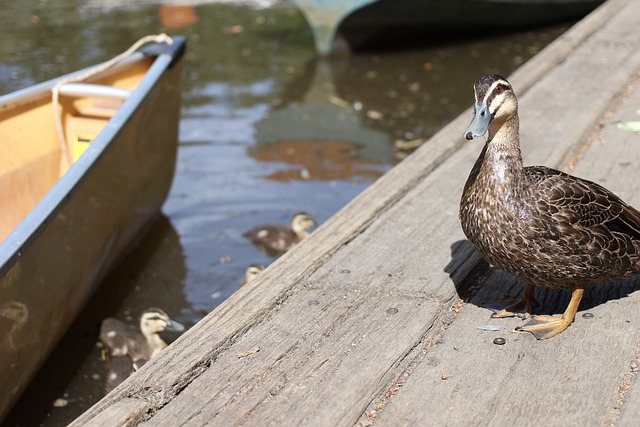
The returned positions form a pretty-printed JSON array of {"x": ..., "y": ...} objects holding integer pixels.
[{"x": 32, "y": 159}]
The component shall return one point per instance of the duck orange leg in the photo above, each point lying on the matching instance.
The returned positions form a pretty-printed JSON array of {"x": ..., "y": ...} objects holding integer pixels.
[
  {"x": 523, "y": 305},
  {"x": 544, "y": 327}
]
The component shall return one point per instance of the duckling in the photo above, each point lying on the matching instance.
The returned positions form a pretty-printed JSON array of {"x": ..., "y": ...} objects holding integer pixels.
[
  {"x": 131, "y": 347},
  {"x": 252, "y": 272},
  {"x": 278, "y": 239},
  {"x": 545, "y": 227}
]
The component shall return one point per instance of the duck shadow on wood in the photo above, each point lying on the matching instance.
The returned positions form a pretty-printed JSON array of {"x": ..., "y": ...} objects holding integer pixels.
[{"x": 478, "y": 283}]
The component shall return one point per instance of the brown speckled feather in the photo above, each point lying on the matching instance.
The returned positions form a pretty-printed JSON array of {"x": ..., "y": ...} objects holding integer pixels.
[
  {"x": 586, "y": 202},
  {"x": 124, "y": 340},
  {"x": 563, "y": 231}
]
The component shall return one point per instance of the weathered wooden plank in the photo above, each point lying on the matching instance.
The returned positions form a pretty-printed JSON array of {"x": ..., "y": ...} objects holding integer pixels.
[
  {"x": 621, "y": 176},
  {"x": 465, "y": 379},
  {"x": 294, "y": 367},
  {"x": 123, "y": 413},
  {"x": 555, "y": 53},
  {"x": 631, "y": 410},
  {"x": 603, "y": 64},
  {"x": 574, "y": 379},
  {"x": 398, "y": 245}
]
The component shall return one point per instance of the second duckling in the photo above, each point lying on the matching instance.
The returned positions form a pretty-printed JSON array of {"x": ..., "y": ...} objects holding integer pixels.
[
  {"x": 278, "y": 239},
  {"x": 131, "y": 347},
  {"x": 252, "y": 272}
]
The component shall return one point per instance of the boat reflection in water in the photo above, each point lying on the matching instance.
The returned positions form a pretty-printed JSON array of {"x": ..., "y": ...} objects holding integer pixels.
[{"x": 320, "y": 136}]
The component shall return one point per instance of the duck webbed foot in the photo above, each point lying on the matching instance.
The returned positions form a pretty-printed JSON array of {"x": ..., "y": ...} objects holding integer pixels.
[
  {"x": 511, "y": 308},
  {"x": 544, "y": 327}
]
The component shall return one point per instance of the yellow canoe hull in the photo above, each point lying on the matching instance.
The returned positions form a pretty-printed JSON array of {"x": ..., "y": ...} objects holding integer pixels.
[{"x": 69, "y": 214}]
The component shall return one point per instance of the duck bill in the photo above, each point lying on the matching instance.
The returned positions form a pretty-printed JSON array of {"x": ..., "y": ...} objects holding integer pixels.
[
  {"x": 174, "y": 326},
  {"x": 480, "y": 122}
]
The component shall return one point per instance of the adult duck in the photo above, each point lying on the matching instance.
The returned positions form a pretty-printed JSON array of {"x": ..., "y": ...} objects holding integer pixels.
[{"x": 543, "y": 226}]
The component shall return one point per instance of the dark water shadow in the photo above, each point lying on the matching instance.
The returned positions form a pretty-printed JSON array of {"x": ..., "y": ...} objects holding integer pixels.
[
  {"x": 77, "y": 349},
  {"x": 478, "y": 283},
  {"x": 394, "y": 25},
  {"x": 395, "y": 39}
]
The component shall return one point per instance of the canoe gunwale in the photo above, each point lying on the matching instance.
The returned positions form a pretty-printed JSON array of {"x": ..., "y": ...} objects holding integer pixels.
[
  {"x": 43, "y": 90},
  {"x": 23, "y": 236}
]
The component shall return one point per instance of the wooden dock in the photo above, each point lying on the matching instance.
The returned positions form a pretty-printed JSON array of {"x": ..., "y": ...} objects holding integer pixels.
[{"x": 374, "y": 320}]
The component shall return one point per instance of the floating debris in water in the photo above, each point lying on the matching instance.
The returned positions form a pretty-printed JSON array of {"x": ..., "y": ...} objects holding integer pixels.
[
  {"x": 375, "y": 115},
  {"x": 392, "y": 310},
  {"x": 345, "y": 271},
  {"x": 499, "y": 341},
  {"x": 314, "y": 302},
  {"x": 233, "y": 29},
  {"x": 340, "y": 102},
  {"x": 60, "y": 403},
  {"x": 489, "y": 327},
  {"x": 408, "y": 145}
]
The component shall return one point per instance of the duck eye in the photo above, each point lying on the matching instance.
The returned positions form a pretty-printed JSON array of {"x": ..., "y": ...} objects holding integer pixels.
[{"x": 498, "y": 89}]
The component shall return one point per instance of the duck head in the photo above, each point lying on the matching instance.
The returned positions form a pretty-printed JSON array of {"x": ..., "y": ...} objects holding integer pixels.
[
  {"x": 252, "y": 272},
  {"x": 155, "y": 320},
  {"x": 495, "y": 103},
  {"x": 301, "y": 222}
]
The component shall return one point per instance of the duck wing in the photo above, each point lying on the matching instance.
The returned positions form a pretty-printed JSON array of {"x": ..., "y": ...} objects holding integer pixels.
[
  {"x": 123, "y": 339},
  {"x": 275, "y": 239},
  {"x": 582, "y": 203},
  {"x": 120, "y": 368}
]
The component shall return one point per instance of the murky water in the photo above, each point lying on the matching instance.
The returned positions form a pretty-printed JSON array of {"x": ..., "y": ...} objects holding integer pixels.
[{"x": 266, "y": 131}]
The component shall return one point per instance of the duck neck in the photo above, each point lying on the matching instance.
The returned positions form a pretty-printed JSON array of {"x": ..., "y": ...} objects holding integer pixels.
[
  {"x": 302, "y": 234},
  {"x": 502, "y": 161},
  {"x": 155, "y": 342},
  {"x": 299, "y": 230}
]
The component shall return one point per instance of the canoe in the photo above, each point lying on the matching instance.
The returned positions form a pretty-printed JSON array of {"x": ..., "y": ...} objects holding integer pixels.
[
  {"x": 361, "y": 21},
  {"x": 73, "y": 204}
]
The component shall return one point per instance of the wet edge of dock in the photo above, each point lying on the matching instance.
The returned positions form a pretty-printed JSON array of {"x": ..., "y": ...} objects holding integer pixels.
[{"x": 375, "y": 318}]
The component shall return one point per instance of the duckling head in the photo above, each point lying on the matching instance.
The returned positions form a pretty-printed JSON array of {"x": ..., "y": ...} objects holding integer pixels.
[
  {"x": 252, "y": 271},
  {"x": 495, "y": 103},
  {"x": 155, "y": 320},
  {"x": 301, "y": 222}
]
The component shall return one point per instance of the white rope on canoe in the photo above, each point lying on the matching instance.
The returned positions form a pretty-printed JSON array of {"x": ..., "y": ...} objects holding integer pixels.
[{"x": 156, "y": 38}]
